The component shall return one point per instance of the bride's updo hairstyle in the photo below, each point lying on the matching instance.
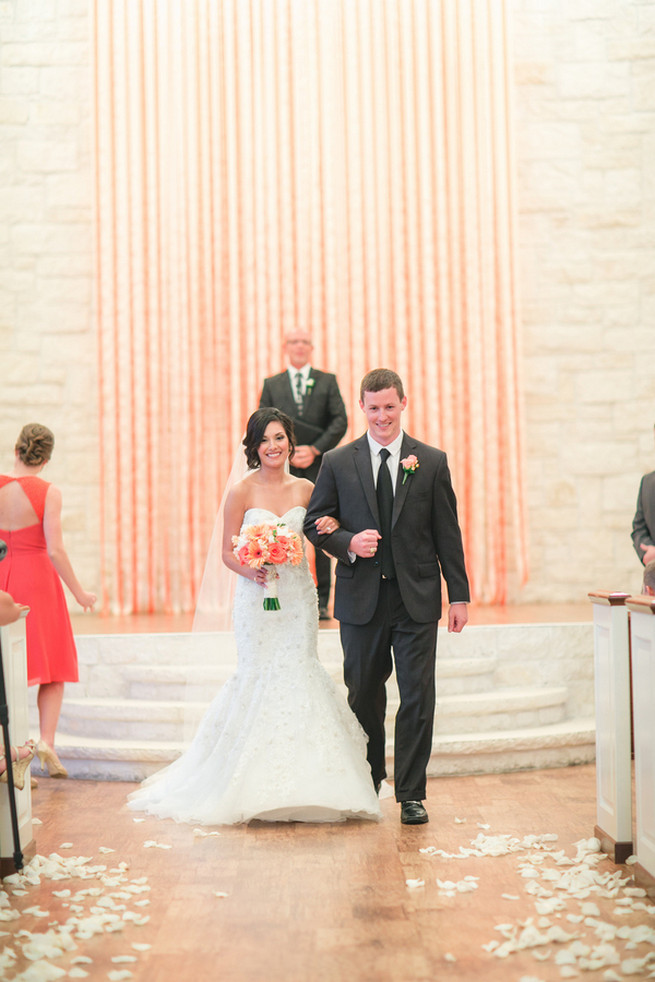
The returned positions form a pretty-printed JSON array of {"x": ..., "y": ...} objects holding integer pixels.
[
  {"x": 256, "y": 428},
  {"x": 35, "y": 444}
]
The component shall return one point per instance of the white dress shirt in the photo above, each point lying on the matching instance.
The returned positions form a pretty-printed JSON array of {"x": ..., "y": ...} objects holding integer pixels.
[
  {"x": 393, "y": 460},
  {"x": 304, "y": 377}
]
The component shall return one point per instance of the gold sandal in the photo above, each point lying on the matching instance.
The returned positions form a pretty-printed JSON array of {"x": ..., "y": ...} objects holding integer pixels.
[
  {"x": 19, "y": 765},
  {"x": 49, "y": 759}
]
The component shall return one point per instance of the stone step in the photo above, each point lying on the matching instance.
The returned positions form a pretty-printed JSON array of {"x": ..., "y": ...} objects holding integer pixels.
[
  {"x": 137, "y": 720},
  {"x": 501, "y": 703},
  {"x": 193, "y": 682},
  {"x": 174, "y": 719},
  {"x": 559, "y": 745},
  {"x": 562, "y": 744},
  {"x": 502, "y": 709}
]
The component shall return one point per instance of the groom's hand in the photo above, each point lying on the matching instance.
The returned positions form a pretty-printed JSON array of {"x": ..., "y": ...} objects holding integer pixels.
[
  {"x": 365, "y": 544},
  {"x": 458, "y": 615}
]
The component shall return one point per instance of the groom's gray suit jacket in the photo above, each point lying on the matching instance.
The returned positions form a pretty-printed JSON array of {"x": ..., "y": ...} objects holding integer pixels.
[{"x": 426, "y": 537}]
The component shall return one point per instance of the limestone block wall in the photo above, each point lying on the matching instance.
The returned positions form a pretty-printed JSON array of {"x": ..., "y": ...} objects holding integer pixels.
[
  {"x": 584, "y": 106},
  {"x": 585, "y": 133},
  {"x": 47, "y": 349}
]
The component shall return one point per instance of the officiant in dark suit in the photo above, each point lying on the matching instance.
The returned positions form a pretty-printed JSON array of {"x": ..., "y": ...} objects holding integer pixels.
[
  {"x": 313, "y": 400},
  {"x": 643, "y": 523},
  {"x": 397, "y": 533}
]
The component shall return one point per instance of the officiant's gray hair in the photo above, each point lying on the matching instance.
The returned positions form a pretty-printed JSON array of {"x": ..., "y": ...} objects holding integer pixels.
[{"x": 381, "y": 378}]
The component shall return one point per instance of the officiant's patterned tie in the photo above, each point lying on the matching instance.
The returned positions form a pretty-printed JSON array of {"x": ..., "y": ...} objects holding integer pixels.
[
  {"x": 298, "y": 393},
  {"x": 385, "y": 504}
]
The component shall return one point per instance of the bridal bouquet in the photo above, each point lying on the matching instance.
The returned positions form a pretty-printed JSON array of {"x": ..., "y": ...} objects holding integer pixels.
[{"x": 268, "y": 545}]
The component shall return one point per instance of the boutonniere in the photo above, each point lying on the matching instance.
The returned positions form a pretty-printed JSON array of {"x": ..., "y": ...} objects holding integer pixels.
[
  {"x": 409, "y": 465},
  {"x": 309, "y": 385}
]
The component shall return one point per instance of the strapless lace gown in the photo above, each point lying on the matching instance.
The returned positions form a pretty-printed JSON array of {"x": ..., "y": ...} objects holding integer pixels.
[{"x": 279, "y": 742}]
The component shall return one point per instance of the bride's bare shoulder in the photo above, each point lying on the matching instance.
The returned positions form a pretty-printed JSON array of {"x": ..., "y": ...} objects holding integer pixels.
[
  {"x": 306, "y": 488},
  {"x": 240, "y": 492}
]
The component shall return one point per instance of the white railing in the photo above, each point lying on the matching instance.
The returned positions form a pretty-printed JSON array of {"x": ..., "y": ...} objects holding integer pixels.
[
  {"x": 613, "y": 750},
  {"x": 642, "y": 640},
  {"x": 14, "y": 663}
]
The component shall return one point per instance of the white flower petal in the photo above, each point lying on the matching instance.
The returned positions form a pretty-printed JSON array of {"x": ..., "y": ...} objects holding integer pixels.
[
  {"x": 410, "y": 884},
  {"x": 590, "y": 909}
]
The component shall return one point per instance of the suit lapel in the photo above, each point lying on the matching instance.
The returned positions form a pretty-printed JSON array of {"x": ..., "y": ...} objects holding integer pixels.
[
  {"x": 401, "y": 489},
  {"x": 362, "y": 458},
  {"x": 309, "y": 389}
]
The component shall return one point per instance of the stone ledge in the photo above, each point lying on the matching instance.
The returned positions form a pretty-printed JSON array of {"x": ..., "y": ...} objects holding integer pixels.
[{"x": 559, "y": 745}]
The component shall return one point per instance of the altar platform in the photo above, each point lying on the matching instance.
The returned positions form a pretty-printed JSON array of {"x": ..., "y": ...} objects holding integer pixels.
[{"x": 514, "y": 691}]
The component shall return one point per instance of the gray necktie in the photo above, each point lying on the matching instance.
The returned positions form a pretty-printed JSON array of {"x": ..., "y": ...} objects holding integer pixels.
[
  {"x": 385, "y": 506},
  {"x": 298, "y": 392}
]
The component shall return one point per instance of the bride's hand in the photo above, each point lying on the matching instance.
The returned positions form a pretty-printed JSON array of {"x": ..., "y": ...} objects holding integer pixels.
[
  {"x": 326, "y": 525},
  {"x": 260, "y": 577}
]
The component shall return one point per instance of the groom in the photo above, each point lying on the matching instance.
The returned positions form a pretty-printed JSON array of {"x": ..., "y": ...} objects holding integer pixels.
[{"x": 398, "y": 532}]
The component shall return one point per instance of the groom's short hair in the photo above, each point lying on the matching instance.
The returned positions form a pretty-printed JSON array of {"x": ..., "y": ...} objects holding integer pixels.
[{"x": 381, "y": 378}]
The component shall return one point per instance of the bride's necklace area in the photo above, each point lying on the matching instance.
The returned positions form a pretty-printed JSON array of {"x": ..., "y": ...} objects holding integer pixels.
[{"x": 278, "y": 490}]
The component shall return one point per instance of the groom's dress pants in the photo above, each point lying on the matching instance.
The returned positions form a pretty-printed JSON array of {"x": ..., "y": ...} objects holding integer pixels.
[{"x": 368, "y": 665}]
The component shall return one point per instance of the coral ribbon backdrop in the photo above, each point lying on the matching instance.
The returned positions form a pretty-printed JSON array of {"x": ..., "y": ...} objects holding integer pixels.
[{"x": 345, "y": 165}]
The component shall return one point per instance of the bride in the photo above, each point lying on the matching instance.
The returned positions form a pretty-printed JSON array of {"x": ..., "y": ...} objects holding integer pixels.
[{"x": 278, "y": 743}]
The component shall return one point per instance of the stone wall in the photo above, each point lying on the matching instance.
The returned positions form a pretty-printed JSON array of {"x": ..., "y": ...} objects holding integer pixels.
[
  {"x": 585, "y": 140},
  {"x": 47, "y": 350},
  {"x": 585, "y": 137}
]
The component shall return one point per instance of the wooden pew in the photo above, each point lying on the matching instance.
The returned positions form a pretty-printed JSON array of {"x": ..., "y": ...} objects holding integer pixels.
[
  {"x": 613, "y": 736},
  {"x": 14, "y": 662},
  {"x": 642, "y": 641}
]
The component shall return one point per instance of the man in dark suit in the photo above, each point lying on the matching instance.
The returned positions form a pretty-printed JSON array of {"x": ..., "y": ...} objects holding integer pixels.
[
  {"x": 396, "y": 531},
  {"x": 643, "y": 524},
  {"x": 313, "y": 400}
]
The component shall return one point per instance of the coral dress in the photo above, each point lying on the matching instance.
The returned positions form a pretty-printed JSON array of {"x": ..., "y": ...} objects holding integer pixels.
[
  {"x": 279, "y": 742},
  {"x": 29, "y": 576}
]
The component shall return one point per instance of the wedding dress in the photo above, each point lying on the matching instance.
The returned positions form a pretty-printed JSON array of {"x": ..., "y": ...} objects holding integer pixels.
[{"x": 279, "y": 742}]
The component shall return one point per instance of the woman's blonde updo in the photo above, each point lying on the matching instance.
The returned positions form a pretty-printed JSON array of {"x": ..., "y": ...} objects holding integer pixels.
[{"x": 35, "y": 444}]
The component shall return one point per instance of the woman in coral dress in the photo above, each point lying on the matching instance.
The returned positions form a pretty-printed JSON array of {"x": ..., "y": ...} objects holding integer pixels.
[
  {"x": 279, "y": 742},
  {"x": 30, "y": 524}
]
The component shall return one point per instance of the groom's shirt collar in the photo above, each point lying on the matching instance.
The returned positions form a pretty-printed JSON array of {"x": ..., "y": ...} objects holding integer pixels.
[{"x": 393, "y": 461}]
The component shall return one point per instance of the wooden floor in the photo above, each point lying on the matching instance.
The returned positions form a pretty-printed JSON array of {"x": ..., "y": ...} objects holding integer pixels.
[
  {"x": 478, "y": 614},
  {"x": 315, "y": 903}
]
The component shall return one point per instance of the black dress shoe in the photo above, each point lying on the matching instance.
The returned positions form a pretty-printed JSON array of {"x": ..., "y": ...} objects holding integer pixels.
[
  {"x": 323, "y": 614},
  {"x": 413, "y": 813}
]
